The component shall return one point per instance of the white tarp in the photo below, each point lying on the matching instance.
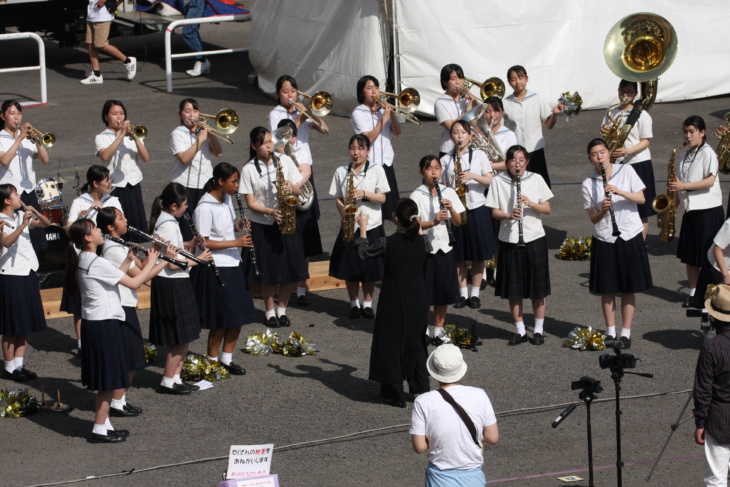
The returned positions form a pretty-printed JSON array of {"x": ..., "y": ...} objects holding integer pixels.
[{"x": 559, "y": 42}]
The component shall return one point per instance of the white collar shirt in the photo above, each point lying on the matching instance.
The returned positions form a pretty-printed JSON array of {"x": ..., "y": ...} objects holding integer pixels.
[
  {"x": 280, "y": 113},
  {"x": 503, "y": 195},
  {"x": 642, "y": 129},
  {"x": 199, "y": 170},
  {"x": 20, "y": 258},
  {"x": 446, "y": 108},
  {"x": 372, "y": 179},
  {"x": 116, "y": 253},
  {"x": 525, "y": 119},
  {"x": 214, "y": 220},
  {"x": 626, "y": 212},
  {"x": 85, "y": 202},
  {"x": 695, "y": 166},
  {"x": 365, "y": 120},
  {"x": 20, "y": 172},
  {"x": 98, "y": 282},
  {"x": 722, "y": 240},
  {"x": 167, "y": 228},
  {"x": 259, "y": 180},
  {"x": 123, "y": 164},
  {"x": 475, "y": 161},
  {"x": 428, "y": 206},
  {"x": 505, "y": 138}
]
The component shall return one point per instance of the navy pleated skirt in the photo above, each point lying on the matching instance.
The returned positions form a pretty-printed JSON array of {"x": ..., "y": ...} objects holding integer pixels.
[
  {"x": 280, "y": 258},
  {"x": 699, "y": 228},
  {"x": 442, "y": 281},
  {"x": 133, "y": 207},
  {"x": 346, "y": 264},
  {"x": 392, "y": 197},
  {"x": 645, "y": 171},
  {"x": 194, "y": 195},
  {"x": 69, "y": 303},
  {"x": 538, "y": 165},
  {"x": 619, "y": 267},
  {"x": 476, "y": 241},
  {"x": 229, "y": 306},
  {"x": 21, "y": 308},
  {"x": 132, "y": 340},
  {"x": 308, "y": 230},
  {"x": 103, "y": 361},
  {"x": 523, "y": 273},
  {"x": 174, "y": 316}
]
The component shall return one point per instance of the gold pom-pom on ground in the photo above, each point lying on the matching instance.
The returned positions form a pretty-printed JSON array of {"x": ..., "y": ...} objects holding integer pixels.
[
  {"x": 585, "y": 338},
  {"x": 576, "y": 248},
  {"x": 150, "y": 353},
  {"x": 267, "y": 342},
  {"x": 198, "y": 367},
  {"x": 17, "y": 404}
]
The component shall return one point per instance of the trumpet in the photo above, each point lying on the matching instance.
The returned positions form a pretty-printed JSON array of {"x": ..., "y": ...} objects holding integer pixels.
[
  {"x": 226, "y": 122},
  {"x": 162, "y": 243},
  {"x": 320, "y": 104},
  {"x": 138, "y": 132},
  {"x": 490, "y": 87},
  {"x": 139, "y": 248},
  {"x": 38, "y": 137},
  {"x": 408, "y": 101}
]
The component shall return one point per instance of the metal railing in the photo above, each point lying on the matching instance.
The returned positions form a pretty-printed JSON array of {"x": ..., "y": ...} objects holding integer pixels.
[
  {"x": 202, "y": 20},
  {"x": 41, "y": 66}
]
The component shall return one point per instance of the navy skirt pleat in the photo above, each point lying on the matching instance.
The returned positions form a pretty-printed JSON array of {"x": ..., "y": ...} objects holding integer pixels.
[
  {"x": 476, "y": 241},
  {"x": 346, "y": 264},
  {"x": 132, "y": 339},
  {"x": 21, "y": 308},
  {"x": 523, "y": 273},
  {"x": 699, "y": 228},
  {"x": 280, "y": 258},
  {"x": 174, "y": 316},
  {"x": 229, "y": 306},
  {"x": 442, "y": 281},
  {"x": 619, "y": 267},
  {"x": 103, "y": 362},
  {"x": 133, "y": 207}
]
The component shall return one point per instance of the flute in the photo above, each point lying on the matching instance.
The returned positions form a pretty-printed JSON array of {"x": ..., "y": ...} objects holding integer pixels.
[
  {"x": 521, "y": 239},
  {"x": 201, "y": 242},
  {"x": 139, "y": 248},
  {"x": 251, "y": 251},
  {"x": 156, "y": 240},
  {"x": 616, "y": 231},
  {"x": 452, "y": 239}
]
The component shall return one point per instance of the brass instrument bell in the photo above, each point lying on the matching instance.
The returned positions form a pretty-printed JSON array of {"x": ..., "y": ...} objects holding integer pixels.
[
  {"x": 490, "y": 87},
  {"x": 320, "y": 103},
  {"x": 46, "y": 140}
]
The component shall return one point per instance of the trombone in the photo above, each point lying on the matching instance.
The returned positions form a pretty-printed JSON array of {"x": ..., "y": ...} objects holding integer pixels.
[
  {"x": 226, "y": 122},
  {"x": 408, "y": 101},
  {"x": 38, "y": 137},
  {"x": 320, "y": 104},
  {"x": 490, "y": 87}
]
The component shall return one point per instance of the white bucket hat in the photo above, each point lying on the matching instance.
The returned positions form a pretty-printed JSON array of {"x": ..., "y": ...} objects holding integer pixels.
[{"x": 446, "y": 364}]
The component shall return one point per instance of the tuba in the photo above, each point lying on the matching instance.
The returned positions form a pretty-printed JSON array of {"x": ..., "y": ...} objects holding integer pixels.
[
  {"x": 306, "y": 191},
  {"x": 723, "y": 147},
  {"x": 287, "y": 202},
  {"x": 348, "y": 227},
  {"x": 664, "y": 204}
]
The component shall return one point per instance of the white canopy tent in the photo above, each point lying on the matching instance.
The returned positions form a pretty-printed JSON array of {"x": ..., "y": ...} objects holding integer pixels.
[{"x": 330, "y": 45}]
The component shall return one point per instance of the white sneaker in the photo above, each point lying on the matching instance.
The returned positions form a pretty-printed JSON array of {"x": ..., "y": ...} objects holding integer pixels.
[
  {"x": 131, "y": 68},
  {"x": 201, "y": 67},
  {"x": 93, "y": 80}
]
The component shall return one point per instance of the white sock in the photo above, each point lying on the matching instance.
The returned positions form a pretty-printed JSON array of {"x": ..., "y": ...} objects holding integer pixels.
[
  {"x": 626, "y": 332},
  {"x": 108, "y": 425},
  {"x": 464, "y": 292},
  {"x": 355, "y": 303},
  {"x": 279, "y": 312},
  {"x": 270, "y": 313},
  {"x": 124, "y": 400},
  {"x": 99, "y": 429},
  {"x": 10, "y": 366},
  {"x": 474, "y": 291},
  {"x": 78, "y": 343},
  {"x": 611, "y": 331},
  {"x": 367, "y": 304},
  {"x": 214, "y": 359},
  {"x": 226, "y": 358},
  {"x": 301, "y": 291},
  {"x": 520, "y": 325},
  {"x": 484, "y": 274},
  {"x": 692, "y": 291},
  {"x": 431, "y": 331},
  {"x": 19, "y": 363},
  {"x": 168, "y": 382},
  {"x": 117, "y": 404},
  {"x": 539, "y": 322},
  {"x": 177, "y": 379}
]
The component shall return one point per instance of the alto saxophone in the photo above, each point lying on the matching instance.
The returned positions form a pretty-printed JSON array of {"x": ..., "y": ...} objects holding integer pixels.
[
  {"x": 286, "y": 202},
  {"x": 348, "y": 227},
  {"x": 664, "y": 204},
  {"x": 460, "y": 187}
]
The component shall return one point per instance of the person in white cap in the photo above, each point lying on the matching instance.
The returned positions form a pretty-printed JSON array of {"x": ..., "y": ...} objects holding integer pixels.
[
  {"x": 452, "y": 423},
  {"x": 712, "y": 392}
]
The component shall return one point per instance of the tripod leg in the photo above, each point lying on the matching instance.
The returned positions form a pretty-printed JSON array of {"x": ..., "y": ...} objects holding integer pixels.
[{"x": 674, "y": 426}]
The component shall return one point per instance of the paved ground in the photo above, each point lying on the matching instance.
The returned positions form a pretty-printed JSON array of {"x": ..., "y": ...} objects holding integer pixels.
[{"x": 321, "y": 411}]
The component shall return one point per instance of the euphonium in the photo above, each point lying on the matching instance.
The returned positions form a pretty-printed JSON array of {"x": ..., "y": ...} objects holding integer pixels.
[
  {"x": 287, "y": 202},
  {"x": 348, "y": 227},
  {"x": 664, "y": 204},
  {"x": 723, "y": 147},
  {"x": 459, "y": 186}
]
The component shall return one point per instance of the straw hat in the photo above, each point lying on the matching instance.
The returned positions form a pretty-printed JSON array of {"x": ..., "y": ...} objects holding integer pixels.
[
  {"x": 446, "y": 364},
  {"x": 718, "y": 305}
]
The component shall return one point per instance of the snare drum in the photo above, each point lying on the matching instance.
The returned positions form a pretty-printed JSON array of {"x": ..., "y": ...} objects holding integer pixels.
[
  {"x": 56, "y": 214},
  {"x": 48, "y": 192}
]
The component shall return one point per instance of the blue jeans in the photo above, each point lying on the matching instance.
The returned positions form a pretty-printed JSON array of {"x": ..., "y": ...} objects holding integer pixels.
[{"x": 191, "y": 36}]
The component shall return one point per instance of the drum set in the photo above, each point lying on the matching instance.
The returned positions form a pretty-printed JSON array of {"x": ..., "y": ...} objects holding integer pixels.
[
  {"x": 48, "y": 192},
  {"x": 51, "y": 252}
]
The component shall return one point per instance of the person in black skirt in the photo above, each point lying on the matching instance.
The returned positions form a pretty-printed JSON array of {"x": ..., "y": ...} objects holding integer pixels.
[
  {"x": 522, "y": 267},
  {"x": 174, "y": 320},
  {"x": 399, "y": 350},
  {"x": 96, "y": 280},
  {"x": 698, "y": 188},
  {"x": 619, "y": 264},
  {"x": 369, "y": 189},
  {"x": 112, "y": 222},
  {"x": 438, "y": 217},
  {"x": 21, "y": 309},
  {"x": 475, "y": 239},
  {"x": 307, "y": 225},
  {"x": 224, "y": 299},
  {"x": 122, "y": 153},
  {"x": 280, "y": 257}
]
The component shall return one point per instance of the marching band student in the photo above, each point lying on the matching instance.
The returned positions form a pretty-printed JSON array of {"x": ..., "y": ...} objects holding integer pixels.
[
  {"x": 619, "y": 264},
  {"x": 636, "y": 148},
  {"x": 475, "y": 240},
  {"x": 698, "y": 187},
  {"x": 494, "y": 115},
  {"x": 94, "y": 196},
  {"x": 122, "y": 152},
  {"x": 20, "y": 299},
  {"x": 223, "y": 309},
  {"x": 280, "y": 257},
  {"x": 717, "y": 270},
  {"x": 369, "y": 188},
  {"x": 16, "y": 160},
  {"x": 307, "y": 225},
  {"x": 528, "y": 112},
  {"x": 192, "y": 147},
  {"x": 103, "y": 363},
  {"x": 112, "y": 222},
  {"x": 450, "y": 106},
  {"x": 522, "y": 269},
  {"x": 435, "y": 215},
  {"x": 174, "y": 321},
  {"x": 378, "y": 123}
]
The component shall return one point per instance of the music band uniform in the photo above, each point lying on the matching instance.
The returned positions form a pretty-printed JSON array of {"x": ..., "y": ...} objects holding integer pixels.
[{"x": 446, "y": 108}]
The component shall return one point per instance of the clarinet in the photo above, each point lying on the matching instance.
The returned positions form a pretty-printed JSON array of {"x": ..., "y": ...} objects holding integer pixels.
[
  {"x": 204, "y": 247},
  {"x": 156, "y": 240},
  {"x": 139, "y": 248},
  {"x": 521, "y": 239},
  {"x": 251, "y": 251},
  {"x": 616, "y": 231},
  {"x": 452, "y": 239}
]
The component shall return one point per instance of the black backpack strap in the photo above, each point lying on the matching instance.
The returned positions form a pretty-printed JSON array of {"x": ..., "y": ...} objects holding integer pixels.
[{"x": 462, "y": 414}]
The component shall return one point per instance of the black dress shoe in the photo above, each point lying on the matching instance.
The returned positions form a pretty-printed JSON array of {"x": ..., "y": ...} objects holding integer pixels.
[
  {"x": 355, "y": 312},
  {"x": 97, "y": 438},
  {"x": 234, "y": 369},
  {"x": 517, "y": 339},
  {"x": 118, "y": 433},
  {"x": 483, "y": 285},
  {"x": 625, "y": 342},
  {"x": 537, "y": 339},
  {"x": 272, "y": 322},
  {"x": 474, "y": 303},
  {"x": 460, "y": 303},
  {"x": 29, "y": 374},
  {"x": 609, "y": 337},
  {"x": 16, "y": 375},
  {"x": 303, "y": 300},
  {"x": 368, "y": 313},
  {"x": 397, "y": 403},
  {"x": 190, "y": 386},
  {"x": 123, "y": 413},
  {"x": 129, "y": 407},
  {"x": 284, "y": 321},
  {"x": 176, "y": 389},
  {"x": 688, "y": 302}
]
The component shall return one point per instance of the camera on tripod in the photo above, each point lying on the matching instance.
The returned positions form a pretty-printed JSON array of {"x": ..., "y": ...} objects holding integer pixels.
[
  {"x": 618, "y": 361},
  {"x": 698, "y": 313},
  {"x": 588, "y": 384}
]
